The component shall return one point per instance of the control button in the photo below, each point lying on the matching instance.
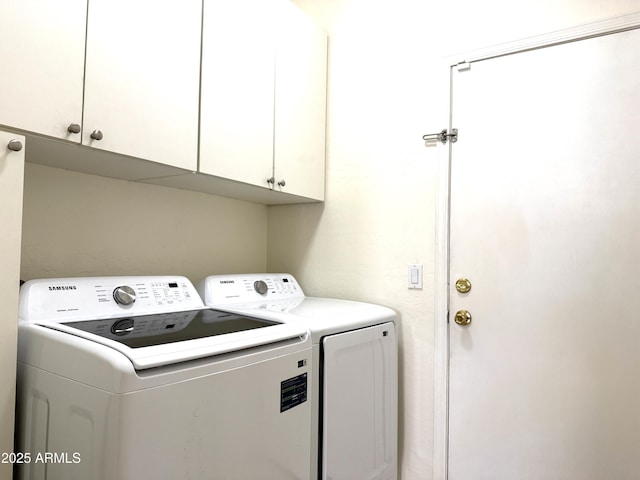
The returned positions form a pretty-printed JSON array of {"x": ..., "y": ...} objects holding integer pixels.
[
  {"x": 261, "y": 287},
  {"x": 124, "y": 295}
]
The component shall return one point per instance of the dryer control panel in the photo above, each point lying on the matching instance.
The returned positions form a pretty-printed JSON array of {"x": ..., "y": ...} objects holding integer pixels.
[
  {"x": 64, "y": 299},
  {"x": 247, "y": 288}
]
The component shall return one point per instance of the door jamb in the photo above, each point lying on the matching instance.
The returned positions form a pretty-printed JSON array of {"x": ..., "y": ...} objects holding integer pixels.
[{"x": 441, "y": 333}]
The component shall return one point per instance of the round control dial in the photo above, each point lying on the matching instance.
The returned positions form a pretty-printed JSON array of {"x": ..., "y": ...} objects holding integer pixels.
[
  {"x": 261, "y": 287},
  {"x": 124, "y": 295}
]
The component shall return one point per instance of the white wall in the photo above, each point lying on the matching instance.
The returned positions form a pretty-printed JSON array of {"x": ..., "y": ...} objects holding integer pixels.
[
  {"x": 79, "y": 224},
  {"x": 387, "y": 87}
]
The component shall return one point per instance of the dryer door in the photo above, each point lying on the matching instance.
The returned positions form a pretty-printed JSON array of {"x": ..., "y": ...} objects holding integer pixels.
[{"x": 360, "y": 404}]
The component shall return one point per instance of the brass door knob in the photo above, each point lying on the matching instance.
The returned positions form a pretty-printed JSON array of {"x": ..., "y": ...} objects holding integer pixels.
[
  {"x": 463, "y": 318},
  {"x": 463, "y": 285}
]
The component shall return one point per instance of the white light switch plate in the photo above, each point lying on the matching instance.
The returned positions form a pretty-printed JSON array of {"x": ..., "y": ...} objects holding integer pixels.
[{"x": 414, "y": 276}]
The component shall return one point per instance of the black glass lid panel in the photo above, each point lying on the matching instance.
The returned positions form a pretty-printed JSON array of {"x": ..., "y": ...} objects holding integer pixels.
[{"x": 162, "y": 328}]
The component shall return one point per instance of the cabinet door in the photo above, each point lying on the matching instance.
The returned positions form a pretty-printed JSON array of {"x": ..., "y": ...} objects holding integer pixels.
[
  {"x": 11, "y": 181},
  {"x": 142, "y": 79},
  {"x": 238, "y": 56},
  {"x": 300, "y": 103},
  {"x": 42, "y": 58}
]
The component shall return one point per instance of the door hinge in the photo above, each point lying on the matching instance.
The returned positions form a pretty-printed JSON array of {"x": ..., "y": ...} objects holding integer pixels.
[{"x": 442, "y": 136}]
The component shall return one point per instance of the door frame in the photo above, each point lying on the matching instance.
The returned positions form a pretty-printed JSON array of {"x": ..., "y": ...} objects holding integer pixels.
[{"x": 443, "y": 192}]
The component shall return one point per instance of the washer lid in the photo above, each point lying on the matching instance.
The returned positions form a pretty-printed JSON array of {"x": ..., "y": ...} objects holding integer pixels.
[
  {"x": 151, "y": 320},
  {"x": 150, "y": 341},
  {"x": 163, "y": 328}
]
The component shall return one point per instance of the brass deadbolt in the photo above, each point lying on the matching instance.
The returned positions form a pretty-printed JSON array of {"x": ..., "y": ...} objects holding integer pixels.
[{"x": 463, "y": 285}]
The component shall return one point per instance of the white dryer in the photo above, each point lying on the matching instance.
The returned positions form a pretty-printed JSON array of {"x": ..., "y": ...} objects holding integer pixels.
[
  {"x": 123, "y": 378},
  {"x": 355, "y": 369}
]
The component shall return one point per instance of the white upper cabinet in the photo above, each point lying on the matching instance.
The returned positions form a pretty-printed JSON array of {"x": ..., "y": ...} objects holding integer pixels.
[
  {"x": 238, "y": 57},
  {"x": 300, "y": 103},
  {"x": 263, "y": 96},
  {"x": 142, "y": 79},
  {"x": 232, "y": 89},
  {"x": 42, "y": 57},
  {"x": 140, "y": 76}
]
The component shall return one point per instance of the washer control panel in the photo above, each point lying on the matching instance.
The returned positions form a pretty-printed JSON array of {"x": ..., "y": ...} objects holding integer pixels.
[
  {"x": 66, "y": 299},
  {"x": 247, "y": 288}
]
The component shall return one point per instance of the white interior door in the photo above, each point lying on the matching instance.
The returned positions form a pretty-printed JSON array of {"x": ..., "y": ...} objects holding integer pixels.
[{"x": 545, "y": 223}]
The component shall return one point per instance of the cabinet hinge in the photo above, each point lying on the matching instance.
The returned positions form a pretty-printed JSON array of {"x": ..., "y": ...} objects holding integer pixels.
[{"x": 442, "y": 136}]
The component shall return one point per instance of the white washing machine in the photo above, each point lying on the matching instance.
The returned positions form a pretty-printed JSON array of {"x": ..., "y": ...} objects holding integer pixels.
[
  {"x": 132, "y": 378},
  {"x": 355, "y": 369}
]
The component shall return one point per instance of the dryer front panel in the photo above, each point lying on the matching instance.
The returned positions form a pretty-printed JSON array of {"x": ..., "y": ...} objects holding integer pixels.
[{"x": 360, "y": 404}]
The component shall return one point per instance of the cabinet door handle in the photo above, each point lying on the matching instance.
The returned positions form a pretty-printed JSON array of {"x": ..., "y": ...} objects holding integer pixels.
[
  {"x": 15, "y": 145},
  {"x": 282, "y": 183},
  {"x": 271, "y": 181},
  {"x": 73, "y": 128},
  {"x": 96, "y": 135}
]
